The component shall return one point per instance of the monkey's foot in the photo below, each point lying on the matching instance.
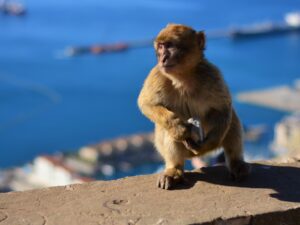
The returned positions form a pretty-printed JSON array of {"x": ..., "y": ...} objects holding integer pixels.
[
  {"x": 169, "y": 178},
  {"x": 239, "y": 170}
]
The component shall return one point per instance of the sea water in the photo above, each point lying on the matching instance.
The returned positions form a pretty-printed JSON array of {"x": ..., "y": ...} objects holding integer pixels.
[{"x": 51, "y": 103}]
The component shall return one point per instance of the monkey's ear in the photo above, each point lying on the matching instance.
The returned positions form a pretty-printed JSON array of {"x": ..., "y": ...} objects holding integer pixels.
[{"x": 201, "y": 39}]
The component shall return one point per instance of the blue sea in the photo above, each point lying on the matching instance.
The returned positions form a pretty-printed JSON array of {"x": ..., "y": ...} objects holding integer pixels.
[{"x": 51, "y": 103}]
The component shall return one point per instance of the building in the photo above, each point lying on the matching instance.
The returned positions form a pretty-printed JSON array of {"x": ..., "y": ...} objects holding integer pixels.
[
  {"x": 287, "y": 135},
  {"x": 52, "y": 171}
]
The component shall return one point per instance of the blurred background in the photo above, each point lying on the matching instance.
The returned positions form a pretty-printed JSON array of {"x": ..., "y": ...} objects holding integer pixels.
[{"x": 71, "y": 71}]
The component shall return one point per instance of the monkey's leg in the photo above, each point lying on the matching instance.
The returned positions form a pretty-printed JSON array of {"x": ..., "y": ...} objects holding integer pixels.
[
  {"x": 174, "y": 155},
  {"x": 233, "y": 149}
]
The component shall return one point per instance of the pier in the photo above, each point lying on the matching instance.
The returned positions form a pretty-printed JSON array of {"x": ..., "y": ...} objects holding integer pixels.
[
  {"x": 291, "y": 24},
  {"x": 284, "y": 98}
]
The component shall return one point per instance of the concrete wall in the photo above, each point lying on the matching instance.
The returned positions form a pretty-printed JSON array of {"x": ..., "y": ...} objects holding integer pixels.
[{"x": 271, "y": 195}]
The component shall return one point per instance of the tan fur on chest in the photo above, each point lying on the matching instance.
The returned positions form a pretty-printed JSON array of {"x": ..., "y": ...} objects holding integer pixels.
[{"x": 184, "y": 100}]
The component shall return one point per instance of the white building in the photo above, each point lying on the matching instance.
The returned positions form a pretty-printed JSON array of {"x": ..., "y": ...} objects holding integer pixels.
[
  {"x": 51, "y": 171},
  {"x": 287, "y": 135}
]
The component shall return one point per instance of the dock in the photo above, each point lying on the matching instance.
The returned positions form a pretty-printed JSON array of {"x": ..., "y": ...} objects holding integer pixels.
[{"x": 283, "y": 98}]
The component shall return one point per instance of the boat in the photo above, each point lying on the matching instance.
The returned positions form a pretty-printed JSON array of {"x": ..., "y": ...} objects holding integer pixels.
[
  {"x": 12, "y": 8},
  {"x": 291, "y": 24},
  {"x": 96, "y": 49}
]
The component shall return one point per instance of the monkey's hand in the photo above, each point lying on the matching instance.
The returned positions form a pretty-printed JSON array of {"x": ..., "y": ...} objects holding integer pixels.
[
  {"x": 178, "y": 129},
  {"x": 192, "y": 145}
]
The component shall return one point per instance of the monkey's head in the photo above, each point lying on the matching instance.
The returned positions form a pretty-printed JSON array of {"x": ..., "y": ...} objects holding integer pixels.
[{"x": 179, "y": 48}]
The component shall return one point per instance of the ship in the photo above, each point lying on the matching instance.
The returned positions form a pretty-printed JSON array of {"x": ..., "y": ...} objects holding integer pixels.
[
  {"x": 12, "y": 8},
  {"x": 95, "y": 49},
  {"x": 291, "y": 24}
]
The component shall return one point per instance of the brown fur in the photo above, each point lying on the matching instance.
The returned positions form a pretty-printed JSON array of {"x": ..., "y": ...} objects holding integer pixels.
[{"x": 190, "y": 87}]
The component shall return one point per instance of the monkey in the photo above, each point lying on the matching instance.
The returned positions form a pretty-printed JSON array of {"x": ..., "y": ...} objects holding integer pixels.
[{"x": 182, "y": 85}]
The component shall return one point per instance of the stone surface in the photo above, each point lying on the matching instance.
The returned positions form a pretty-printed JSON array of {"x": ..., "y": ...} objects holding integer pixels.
[{"x": 271, "y": 195}]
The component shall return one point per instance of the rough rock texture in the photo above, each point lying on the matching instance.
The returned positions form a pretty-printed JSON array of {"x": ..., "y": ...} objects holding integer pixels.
[{"x": 271, "y": 195}]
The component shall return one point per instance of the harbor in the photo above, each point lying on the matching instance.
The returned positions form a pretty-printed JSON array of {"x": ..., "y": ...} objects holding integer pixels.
[
  {"x": 106, "y": 160},
  {"x": 52, "y": 103}
]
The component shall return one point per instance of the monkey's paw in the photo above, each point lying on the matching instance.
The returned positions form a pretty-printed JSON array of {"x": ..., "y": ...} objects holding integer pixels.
[
  {"x": 239, "y": 170},
  {"x": 191, "y": 144},
  {"x": 168, "y": 179}
]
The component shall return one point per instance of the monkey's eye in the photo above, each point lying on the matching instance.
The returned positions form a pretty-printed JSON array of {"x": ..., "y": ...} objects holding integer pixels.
[
  {"x": 165, "y": 45},
  {"x": 168, "y": 44}
]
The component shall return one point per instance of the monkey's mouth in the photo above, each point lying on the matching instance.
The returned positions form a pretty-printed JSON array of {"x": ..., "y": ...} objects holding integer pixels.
[{"x": 167, "y": 65}]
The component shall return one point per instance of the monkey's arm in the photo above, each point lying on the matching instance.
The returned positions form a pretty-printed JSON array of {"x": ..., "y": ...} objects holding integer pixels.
[
  {"x": 157, "y": 114},
  {"x": 150, "y": 102},
  {"x": 219, "y": 122},
  {"x": 160, "y": 115}
]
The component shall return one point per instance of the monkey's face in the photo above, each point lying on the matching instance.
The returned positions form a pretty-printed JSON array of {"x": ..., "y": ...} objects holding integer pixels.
[{"x": 178, "y": 48}]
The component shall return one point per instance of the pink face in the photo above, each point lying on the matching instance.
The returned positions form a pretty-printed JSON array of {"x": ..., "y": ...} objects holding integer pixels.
[
  {"x": 178, "y": 48},
  {"x": 167, "y": 55}
]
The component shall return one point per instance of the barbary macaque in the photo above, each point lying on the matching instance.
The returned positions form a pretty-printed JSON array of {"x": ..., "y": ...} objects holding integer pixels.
[{"x": 182, "y": 86}]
